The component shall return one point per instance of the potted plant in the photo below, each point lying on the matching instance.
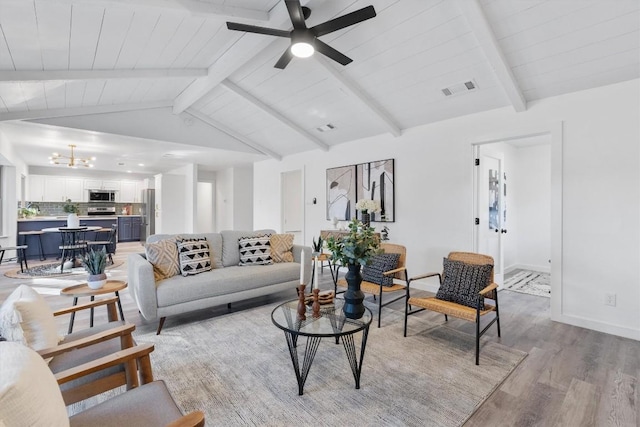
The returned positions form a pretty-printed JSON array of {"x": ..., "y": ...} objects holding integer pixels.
[
  {"x": 317, "y": 246},
  {"x": 354, "y": 249},
  {"x": 95, "y": 263},
  {"x": 72, "y": 219}
]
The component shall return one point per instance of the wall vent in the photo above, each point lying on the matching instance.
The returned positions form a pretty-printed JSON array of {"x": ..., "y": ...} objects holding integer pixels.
[
  {"x": 326, "y": 128},
  {"x": 459, "y": 88}
]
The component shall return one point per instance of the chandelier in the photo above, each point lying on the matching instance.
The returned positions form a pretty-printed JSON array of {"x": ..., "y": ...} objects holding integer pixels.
[{"x": 71, "y": 161}]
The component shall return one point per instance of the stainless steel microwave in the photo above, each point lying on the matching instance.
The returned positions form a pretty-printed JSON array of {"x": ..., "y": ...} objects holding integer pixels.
[{"x": 102, "y": 196}]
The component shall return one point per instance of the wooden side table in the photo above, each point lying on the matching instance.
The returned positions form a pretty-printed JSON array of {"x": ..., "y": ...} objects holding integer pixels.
[{"x": 84, "y": 290}]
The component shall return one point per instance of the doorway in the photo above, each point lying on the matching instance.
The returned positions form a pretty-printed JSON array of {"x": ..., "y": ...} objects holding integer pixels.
[
  {"x": 513, "y": 211},
  {"x": 292, "y": 204}
]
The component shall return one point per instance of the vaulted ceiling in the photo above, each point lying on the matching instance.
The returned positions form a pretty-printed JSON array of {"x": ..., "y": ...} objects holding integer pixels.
[{"x": 164, "y": 82}]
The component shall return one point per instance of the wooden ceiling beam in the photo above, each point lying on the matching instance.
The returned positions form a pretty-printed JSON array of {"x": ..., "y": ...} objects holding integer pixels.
[
  {"x": 472, "y": 12},
  {"x": 233, "y": 134},
  {"x": 80, "y": 111},
  {"x": 189, "y": 7},
  {"x": 243, "y": 50},
  {"x": 273, "y": 113},
  {"x": 359, "y": 95},
  {"x": 68, "y": 75}
]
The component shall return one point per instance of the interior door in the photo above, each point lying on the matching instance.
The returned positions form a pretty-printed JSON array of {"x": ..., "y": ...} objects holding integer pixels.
[
  {"x": 491, "y": 212},
  {"x": 292, "y": 204}
]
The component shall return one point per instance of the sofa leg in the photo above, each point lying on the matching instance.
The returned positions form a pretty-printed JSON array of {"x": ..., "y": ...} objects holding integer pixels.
[
  {"x": 229, "y": 306},
  {"x": 160, "y": 325}
]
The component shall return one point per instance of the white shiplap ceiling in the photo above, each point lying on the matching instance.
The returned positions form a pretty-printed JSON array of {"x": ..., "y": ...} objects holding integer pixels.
[{"x": 144, "y": 77}]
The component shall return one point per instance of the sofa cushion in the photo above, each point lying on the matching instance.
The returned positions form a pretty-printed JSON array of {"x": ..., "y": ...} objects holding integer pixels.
[
  {"x": 214, "y": 239},
  {"x": 281, "y": 247},
  {"x": 255, "y": 250},
  {"x": 25, "y": 317},
  {"x": 230, "y": 238},
  {"x": 29, "y": 393},
  {"x": 225, "y": 281},
  {"x": 163, "y": 255},
  {"x": 461, "y": 283},
  {"x": 194, "y": 257}
]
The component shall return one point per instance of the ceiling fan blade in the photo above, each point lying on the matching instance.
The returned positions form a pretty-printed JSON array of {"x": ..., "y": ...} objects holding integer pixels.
[
  {"x": 296, "y": 14},
  {"x": 344, "y": 21},
  {"x": 258, "y": 30},
  {"x": 284, "y": 59},
  {"x": 330, "y": 52}
]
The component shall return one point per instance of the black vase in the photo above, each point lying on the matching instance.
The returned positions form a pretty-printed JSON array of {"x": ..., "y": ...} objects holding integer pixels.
[
  {"x": 366, "y": 219},
  {"x": 353, "y": 307}
]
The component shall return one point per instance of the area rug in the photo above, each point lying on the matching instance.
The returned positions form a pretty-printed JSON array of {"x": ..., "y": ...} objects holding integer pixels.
[
  {"x": 51, "y": 270},
  {"x": 530, "y": 282},
  {"x": 236, "y": 368}
]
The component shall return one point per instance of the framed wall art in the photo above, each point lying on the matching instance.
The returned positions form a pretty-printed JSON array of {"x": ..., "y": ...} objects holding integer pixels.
[
  {"x": 341, "y": 193},
  {"x": 376, "y": 182}
]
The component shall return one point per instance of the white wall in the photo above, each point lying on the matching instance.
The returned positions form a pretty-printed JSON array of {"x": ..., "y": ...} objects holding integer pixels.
[
  {"x": 224, "y": 200},
  {"x": 14, "y": 169},
  {"x": 600, "y": 194},
  {"x": 234, "y": 199},
  {"x": 176, "y": 198}
]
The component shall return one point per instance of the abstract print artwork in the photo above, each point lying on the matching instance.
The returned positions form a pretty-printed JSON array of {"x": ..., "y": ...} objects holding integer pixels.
[
  {"x": 376, "y": 182},
  {"x": 341, "y": 193}
]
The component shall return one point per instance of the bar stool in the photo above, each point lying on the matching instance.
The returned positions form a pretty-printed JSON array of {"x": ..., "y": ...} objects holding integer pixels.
[
  {"x": 38, "y": 233},
  {"x": 20, "y": 253}
]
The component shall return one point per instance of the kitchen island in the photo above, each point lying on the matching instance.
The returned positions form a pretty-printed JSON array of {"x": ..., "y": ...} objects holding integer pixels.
[{"x": 51, "y": 241}]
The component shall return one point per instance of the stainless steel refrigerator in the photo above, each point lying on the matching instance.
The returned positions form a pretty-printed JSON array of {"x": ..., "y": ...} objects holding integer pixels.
[{"x": 148, "y": 215}]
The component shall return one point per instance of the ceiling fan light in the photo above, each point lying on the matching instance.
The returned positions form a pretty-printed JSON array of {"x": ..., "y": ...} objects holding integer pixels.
[{"x": 302, "y": 49}]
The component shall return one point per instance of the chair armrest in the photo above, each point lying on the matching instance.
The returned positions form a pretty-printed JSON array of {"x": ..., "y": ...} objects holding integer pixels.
[
  {"x": 117, "y": 358},
  {"x": 142, "y": 285},
  {"x": 192, "y": 419},
  {"x": 119, "y": 331},
  {"x": 424, "y": 276},
  {"x": 85, "y": 306},
  {"x": 488, "y": 289},
  {"x": 394, "y": 271}
]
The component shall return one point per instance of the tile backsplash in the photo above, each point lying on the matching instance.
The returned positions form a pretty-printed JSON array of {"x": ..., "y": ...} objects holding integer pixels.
[{"x": 56, "y": 208}]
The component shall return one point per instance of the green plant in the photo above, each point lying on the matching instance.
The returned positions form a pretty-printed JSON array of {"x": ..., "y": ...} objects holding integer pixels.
[
  {"x": 95, "y": 262},
  {"x": 317, "y": 246},
  {"x": 356, "y": 247},
  {"x": 27, "y": 212},
  {"x": 70, "y": 207}
]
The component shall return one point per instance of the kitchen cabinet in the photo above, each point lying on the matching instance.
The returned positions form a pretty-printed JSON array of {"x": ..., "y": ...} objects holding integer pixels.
[
  {"x": 101, "y": 184},
  {"x": 44, "y": 188},
  {"x": 129, "y": 228},
  {"x": 130, "y": 192}
]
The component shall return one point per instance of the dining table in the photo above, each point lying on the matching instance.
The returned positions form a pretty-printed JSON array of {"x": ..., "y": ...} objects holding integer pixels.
[{"x": 71, "y": 241}]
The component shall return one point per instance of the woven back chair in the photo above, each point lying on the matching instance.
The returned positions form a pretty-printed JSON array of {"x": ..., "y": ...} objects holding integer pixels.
[
  {"x": 487, "y": 290},
  {"x": 399, "y": 274}
]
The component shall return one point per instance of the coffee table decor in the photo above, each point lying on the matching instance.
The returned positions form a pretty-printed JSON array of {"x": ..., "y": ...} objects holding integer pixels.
[{"x": 95, "y": 262}]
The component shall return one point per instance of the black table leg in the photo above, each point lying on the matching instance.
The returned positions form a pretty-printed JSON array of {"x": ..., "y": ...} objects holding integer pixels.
[
  {"x": 120, "y": 307},
  {"x": 350, "y": 349},
  {"x": 91, "y": 317},
  {"x": 73, "y": 315},
  {"x": 309, "y": 355}
]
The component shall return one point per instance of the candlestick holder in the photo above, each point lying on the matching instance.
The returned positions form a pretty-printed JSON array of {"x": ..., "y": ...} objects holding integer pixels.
[
  {"x": 301, "y": 306},
  {"x": 316, "y": 303}
]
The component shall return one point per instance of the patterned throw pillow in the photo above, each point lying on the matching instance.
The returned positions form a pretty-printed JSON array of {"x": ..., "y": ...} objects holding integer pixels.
[
  {"x": 194, "y": 257},
  {"x": 462, "y": 282},
  {"x": 163, "y": 255},
  {"x": 378, "y": 265},
  {"x": 281, "y": 247},
  {"x": 255, "y": 250}
]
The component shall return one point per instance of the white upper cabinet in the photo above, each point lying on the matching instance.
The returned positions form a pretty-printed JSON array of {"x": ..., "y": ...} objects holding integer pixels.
[
  {"x": 36, "y": 188},
  {"x": 130, "y": 191},
  {"x": 99, "y": 184},
  {"x": 56, "y": 188}
]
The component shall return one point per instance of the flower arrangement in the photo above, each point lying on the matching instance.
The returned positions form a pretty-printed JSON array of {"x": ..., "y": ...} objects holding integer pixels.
[
  {"x": 356, "y": 247},
  {"x": 368, "y": 205},
  {"x": 70, "y": 207}
]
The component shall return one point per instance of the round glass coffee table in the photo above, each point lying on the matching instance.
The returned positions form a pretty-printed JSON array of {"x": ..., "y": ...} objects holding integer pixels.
[{"x": 331, "y": 323}]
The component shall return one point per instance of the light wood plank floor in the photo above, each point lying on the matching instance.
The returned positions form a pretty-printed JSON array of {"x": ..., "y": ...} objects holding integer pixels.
[{"x": 572, "y": 376}]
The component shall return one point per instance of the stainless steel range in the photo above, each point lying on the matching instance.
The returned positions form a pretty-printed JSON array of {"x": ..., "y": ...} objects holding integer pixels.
[{"x": 101, "y": 211}]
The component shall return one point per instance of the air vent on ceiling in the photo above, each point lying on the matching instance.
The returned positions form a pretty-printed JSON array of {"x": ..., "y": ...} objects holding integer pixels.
[
  {"x": 326, "y": 128},
  {"x": 460, "y": 88}
]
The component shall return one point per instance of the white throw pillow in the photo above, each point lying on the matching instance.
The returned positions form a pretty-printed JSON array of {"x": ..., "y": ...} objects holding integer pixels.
[
  {"x": 25, "y": 317},
  {"x": 29, "y": 393}
]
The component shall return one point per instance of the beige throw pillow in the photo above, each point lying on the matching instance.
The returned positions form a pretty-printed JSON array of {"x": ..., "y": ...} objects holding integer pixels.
[
  {"x": 163, "y": 255},
  {"x": 25, "y": 317},
  {"x": 281, "y": 247}
]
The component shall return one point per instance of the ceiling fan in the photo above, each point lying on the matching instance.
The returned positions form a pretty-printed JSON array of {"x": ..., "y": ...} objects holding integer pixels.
[{"x": 304, "y": 41}]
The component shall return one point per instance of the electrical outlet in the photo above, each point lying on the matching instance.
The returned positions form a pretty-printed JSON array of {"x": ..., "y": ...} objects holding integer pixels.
[{"x": 610, "y": 299}]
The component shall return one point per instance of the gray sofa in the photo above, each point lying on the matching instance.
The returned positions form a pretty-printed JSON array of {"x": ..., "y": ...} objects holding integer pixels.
[{"x": 227, "y": 282}]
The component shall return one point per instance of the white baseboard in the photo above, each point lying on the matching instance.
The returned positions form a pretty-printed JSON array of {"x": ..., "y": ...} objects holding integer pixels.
[
  {"x": 607, "y": 328},
  {"x": 540, "y": 268}
]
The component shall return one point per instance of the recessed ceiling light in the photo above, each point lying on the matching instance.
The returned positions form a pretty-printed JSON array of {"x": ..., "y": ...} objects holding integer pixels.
[
  {"x": 141, "y": 164},
  {"x": 128, "y": 171}
]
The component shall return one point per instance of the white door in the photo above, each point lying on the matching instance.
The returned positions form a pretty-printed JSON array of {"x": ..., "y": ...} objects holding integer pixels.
[
  {"x": 292, "y": 203},
  {"x": 491, "y": 212}
]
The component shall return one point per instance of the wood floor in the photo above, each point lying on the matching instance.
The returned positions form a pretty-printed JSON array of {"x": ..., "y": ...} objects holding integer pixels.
[{"x": 572, "y": 376}]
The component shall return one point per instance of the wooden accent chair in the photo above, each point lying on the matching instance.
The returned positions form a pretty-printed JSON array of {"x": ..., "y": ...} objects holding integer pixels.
[
  {"x": 399, "y": 274},
  {"x": 32, "y": 397},
  {"x": 448, "y": 308}
]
